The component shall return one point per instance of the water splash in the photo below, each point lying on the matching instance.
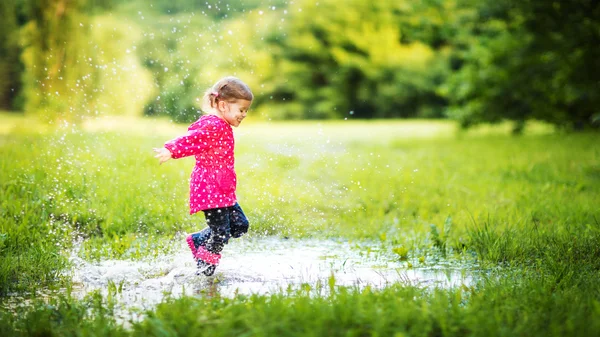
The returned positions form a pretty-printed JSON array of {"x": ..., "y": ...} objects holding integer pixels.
[{"x": 253, "y": 266}]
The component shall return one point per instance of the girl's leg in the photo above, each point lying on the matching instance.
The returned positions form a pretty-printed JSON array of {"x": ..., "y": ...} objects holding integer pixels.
[
  {"x": 218, "y": 221},
  {"x": 223, "y": 223},
  {"x": 239, "y": 222},
  {"x": 198, "y": 239},
  {"x": 209, "y": 255}
]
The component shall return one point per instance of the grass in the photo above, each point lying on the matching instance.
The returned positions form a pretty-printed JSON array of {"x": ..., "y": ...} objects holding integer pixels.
[
  {"x": 517, "y": 305},
  {"x": 527, "y": 204}
]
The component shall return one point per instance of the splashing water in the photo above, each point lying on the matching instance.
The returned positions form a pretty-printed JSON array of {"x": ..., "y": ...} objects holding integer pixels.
[{"x": 253, "y": 265}]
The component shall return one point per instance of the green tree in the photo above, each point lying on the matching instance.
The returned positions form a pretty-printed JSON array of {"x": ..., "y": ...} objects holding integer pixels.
[
  {"x": 59, "y": 77},
  {"x": 173, "y": 50},
  {"x": 78, "y": 62},
  {"x": 10, "y": 65},
  {"x": 530, "y": 60},
  {"x": 215, "y": 9},
  {"x": 332, "y": 63}
]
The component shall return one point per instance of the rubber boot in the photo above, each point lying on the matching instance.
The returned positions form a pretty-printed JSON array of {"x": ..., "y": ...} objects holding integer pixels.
[{"x": 198, "y": 239}]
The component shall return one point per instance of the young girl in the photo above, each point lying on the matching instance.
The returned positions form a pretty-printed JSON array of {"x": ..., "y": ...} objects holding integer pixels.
[{"x": 213, "y": 180}]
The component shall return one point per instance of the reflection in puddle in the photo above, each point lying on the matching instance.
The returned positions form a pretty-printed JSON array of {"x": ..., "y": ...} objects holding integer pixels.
[{"x": 254, "y": 266}]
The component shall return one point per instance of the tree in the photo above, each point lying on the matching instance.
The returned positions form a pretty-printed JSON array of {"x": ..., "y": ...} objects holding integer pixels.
[
  {"x": 57, "y": 78},
  {"x": 530, "y": 60},
  {"x": 78, "y": 63},
  {"x": 10, "y": 65},
  {"x": 332, "y": 63}
]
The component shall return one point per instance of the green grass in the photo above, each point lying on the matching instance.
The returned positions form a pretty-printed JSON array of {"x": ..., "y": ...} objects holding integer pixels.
[
  {"x": 518, "y": 304},
  {"x": 526, "y": 204}
]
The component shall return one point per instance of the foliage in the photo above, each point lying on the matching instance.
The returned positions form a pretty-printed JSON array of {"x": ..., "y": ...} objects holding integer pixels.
[
  {"x": 186, "y": 53},
  {"x": 10, "y": 66},
  {"x": 214, "y": 10},
  {"x": 55, "y": 79},
  {"x": 529, "y": 60},
  {"x": 78, "y": 65},
  {"x": 474, "y": 61},
  {"x": 124, "y": 86},
  {"x": 170, "y": 52},
  {"x": 332, "y": 64}
]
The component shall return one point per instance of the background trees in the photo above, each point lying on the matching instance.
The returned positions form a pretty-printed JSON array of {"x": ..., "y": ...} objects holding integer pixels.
[
  {"x": 10, "y": 66},
  {"x": 530, "y": 59},
  {"x": 332, "y": 63},
  {"x": 475, "y": 61}
]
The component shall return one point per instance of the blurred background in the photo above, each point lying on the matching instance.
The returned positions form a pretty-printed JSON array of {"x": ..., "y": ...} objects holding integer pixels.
[{"x": 475, "y": 61}]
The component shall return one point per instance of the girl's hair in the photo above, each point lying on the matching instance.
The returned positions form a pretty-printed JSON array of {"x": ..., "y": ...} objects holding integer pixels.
[{"x": 227, "y": 89}]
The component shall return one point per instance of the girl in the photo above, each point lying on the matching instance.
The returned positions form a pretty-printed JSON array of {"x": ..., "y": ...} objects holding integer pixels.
[{"x": 213, "y": 180}]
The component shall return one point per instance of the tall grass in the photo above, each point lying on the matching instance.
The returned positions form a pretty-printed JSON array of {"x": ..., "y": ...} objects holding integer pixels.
[
  {"x": 392, "y": 182},
  {"x": 518, "y": 304},
  {"x": 528, "y": 204}
]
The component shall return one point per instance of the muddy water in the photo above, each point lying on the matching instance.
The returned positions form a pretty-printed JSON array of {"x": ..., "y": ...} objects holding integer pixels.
[{"x": 258, "y": 265}]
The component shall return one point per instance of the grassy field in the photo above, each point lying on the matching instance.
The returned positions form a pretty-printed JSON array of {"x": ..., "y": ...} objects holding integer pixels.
[{"x": 527, "y": 208}]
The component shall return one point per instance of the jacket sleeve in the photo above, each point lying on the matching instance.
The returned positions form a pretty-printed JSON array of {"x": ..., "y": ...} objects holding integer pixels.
[{"x": 194, "y": 142}]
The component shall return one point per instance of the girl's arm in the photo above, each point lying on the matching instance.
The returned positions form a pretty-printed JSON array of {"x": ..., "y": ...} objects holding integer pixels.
[{"x": 193, "y": 143}]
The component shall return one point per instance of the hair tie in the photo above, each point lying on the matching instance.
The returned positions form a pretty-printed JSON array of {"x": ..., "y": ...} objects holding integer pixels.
[{"x": 216, "y": 94}]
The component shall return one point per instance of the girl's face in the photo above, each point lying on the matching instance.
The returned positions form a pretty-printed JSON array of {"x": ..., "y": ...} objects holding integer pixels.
[{"x": 235, "y": 111}]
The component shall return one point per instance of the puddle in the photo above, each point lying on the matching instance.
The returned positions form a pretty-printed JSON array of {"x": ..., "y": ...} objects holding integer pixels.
[{"x": 253, "y": 266}]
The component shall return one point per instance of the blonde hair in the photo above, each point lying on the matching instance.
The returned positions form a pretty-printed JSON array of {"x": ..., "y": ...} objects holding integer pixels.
[{"x": 226, "y": 89}]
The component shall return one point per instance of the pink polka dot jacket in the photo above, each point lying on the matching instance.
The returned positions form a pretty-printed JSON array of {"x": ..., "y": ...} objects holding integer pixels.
[{"x": 213, "y": 180}]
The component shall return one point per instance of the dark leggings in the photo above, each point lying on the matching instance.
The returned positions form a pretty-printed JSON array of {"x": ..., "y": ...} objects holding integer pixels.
[{"x": 223, "y": 223}]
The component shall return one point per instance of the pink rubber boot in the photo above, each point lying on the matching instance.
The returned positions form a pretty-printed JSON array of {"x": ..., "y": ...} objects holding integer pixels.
[{"x": 207, "y": 261}]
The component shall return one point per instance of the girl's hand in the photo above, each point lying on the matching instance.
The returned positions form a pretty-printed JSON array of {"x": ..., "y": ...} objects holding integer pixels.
[{"x": 163, "y": 154}]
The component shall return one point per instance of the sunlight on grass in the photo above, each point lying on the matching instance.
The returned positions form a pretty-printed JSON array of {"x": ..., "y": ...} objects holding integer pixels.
[
  {"x": 379, "y": 131},
  {"x": 525, "y": 207}
]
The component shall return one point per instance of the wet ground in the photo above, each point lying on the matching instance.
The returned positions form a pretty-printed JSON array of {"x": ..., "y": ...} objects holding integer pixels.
[{"x": 259, "y": 265}]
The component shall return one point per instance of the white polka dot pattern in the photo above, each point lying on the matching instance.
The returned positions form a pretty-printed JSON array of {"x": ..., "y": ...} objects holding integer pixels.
[{"x": 213, "y": 180}]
